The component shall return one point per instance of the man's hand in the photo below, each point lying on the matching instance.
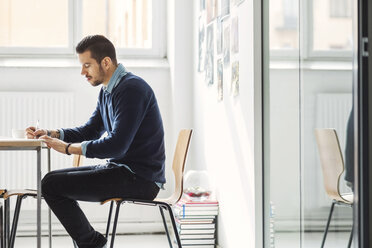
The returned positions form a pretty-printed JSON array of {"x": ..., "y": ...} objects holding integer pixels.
[
  {"x": 56, "y": 144},
  {"x": 32, "y": 133}
]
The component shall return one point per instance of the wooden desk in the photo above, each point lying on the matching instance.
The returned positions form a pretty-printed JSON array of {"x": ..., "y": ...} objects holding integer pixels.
[{"x": 9, "y": 144}]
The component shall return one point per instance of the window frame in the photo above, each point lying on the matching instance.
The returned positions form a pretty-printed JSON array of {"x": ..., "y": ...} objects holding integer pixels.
[{"x": 75, "y": 35}]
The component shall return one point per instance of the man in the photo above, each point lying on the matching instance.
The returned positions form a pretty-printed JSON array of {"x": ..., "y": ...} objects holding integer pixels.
[
  {"x": 349, "y": 151},
  {"x": 128, "y": 111}
]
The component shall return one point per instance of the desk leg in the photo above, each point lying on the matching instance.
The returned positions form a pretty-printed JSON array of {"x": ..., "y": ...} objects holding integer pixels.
[
  {"x": 49, "y": 211},
  {"x": 38, "y": 233}
]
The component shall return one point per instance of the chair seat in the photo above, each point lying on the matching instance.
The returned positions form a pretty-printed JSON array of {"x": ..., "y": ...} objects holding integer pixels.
[
  {"x": 140, "y": 201},
  {"x": 28, "y": 192}
]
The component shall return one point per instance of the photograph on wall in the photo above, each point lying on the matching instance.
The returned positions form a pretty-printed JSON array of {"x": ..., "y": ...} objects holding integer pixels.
[
  {"x": 201, "y": 44},
  {"x": 234, "y": 89},
  {"x": 212, "y": 10},
  {"x": 225, "y": 8},
  {"x": 219, "y": 80},
  {"x": 235, "y": 35},
  {"x": 209, "y": 56},
  {"x": 226, "y": 45},
  {"x": 201, "y": 5},
  {"x": 219, "y": 35}
]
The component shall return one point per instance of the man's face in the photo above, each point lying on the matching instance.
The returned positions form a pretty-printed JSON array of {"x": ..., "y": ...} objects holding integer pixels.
[{"x": 92, "y": 71}]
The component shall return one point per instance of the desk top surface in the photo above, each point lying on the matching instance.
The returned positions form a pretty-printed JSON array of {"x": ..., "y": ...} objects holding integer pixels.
[{"x": 11, "y": 142}]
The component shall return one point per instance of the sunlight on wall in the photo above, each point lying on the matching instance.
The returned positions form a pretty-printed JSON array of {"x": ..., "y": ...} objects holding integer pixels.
[{"x": 224, "y": 141}]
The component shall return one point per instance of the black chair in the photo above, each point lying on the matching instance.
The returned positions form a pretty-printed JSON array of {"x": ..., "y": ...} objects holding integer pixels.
[{"x": 8, "y": 236}]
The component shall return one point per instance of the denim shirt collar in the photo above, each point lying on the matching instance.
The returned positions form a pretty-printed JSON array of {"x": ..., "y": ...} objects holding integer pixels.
[{"x": 115, "y": 79}]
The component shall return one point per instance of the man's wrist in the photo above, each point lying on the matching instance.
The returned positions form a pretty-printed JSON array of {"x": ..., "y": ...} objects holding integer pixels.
[
  {"x": 66, "y": 149},
  {"x": 53, "y": 133},
  {"x": 75, "y": 148}
]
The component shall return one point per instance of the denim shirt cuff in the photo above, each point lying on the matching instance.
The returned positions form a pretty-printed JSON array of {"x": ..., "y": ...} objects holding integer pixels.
[
  {"x": 61, "y": 134},
  {"x": 84, "y": 145}
]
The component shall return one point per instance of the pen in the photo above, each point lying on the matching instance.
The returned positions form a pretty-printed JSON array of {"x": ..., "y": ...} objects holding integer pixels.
[{"x": 37, "y": 126}]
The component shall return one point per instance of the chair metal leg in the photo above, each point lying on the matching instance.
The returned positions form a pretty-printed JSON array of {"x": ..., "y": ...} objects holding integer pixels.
[
  {"x": 328, "y": 222},
  {"x": 74, "y": 243},
  {"x": 115, "y": 223},
  {"x": 6, "y": 222},
  {"x": 15, "y": 220},
  {"x": 165, "y": 226},
  {"x": 351, "y": 237},
  {"x": 109, "y": 219},
  {"x": 1, "y": 226},
  {"x": 169, "y": 208}
]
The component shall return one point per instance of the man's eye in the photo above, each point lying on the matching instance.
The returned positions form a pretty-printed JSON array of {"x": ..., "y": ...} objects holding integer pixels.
[{"x": 86, "y": 66}]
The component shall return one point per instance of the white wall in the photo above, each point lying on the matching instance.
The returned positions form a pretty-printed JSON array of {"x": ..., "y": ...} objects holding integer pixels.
[
  {"x": 181, "y": 62},
  {"x": 227, "y": 135}
]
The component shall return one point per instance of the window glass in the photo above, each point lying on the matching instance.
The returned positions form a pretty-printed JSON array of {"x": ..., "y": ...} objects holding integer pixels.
[
  {"x": 284, "y": 19},
  {"x": 34, "y": 23},
  {"x": 332, "y": 25},
  {"x": 127, "y": 23}
]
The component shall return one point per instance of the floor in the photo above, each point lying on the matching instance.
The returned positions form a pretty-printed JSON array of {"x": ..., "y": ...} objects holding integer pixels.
[
  {"x": 135, "y": 241},
  {"x": 282, "y": 240},
  {"x": 311, "y": 240}
]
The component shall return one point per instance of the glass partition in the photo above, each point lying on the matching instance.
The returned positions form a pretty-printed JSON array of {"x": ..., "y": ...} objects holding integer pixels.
[{"x": 307, "y": 86}]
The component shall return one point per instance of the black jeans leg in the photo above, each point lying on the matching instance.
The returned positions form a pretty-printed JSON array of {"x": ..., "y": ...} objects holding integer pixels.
[{"x": 62, "y": 189}]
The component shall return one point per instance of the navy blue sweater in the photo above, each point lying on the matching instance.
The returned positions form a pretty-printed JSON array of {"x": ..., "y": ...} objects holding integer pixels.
[{"x": 135, "y": 136}]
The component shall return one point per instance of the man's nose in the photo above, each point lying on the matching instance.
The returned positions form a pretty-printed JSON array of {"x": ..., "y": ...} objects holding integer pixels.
[{"x": 83, "y": 72}]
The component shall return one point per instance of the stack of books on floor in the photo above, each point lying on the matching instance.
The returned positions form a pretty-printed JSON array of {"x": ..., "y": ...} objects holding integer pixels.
[{"x": 196, "y": 222}]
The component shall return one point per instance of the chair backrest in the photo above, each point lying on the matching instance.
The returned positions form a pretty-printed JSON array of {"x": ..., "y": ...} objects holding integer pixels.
[
  {"x": 331, "y": 161},
  {"x": 178, "y": 166}
]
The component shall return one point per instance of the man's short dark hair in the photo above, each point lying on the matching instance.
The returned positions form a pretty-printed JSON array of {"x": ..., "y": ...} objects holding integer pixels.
[{"x": 99, "y": 47}]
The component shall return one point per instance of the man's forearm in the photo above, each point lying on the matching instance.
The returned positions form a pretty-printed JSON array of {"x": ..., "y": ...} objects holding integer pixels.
[{"x": 75, "y": 149}]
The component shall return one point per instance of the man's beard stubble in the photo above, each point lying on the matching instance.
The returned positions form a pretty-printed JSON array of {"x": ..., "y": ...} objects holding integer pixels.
[{"x": 101, "y": 77}]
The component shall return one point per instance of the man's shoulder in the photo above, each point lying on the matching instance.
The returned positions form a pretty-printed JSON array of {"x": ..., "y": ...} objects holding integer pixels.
[
  {"x": 131, "y": 78},
  {"x": 132, "y": 82}
]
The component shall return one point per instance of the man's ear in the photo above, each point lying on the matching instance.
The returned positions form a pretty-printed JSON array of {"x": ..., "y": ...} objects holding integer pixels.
[{"x": 106, "y": 62}]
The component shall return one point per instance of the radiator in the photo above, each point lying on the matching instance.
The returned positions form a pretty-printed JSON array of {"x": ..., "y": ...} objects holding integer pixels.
[
  {"x": 331, "y": 111},
  {"x": 22, "y": 109}
]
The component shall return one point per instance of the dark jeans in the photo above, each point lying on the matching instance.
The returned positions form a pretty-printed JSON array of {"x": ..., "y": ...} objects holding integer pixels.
[{"x": 62, "y": 189}]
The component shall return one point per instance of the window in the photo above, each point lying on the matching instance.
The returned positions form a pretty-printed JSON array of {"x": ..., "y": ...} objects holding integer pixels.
[
  {"x": 23, "y": 23},
  {"x": 290, "y": 9},
  {"x": 340, "y": 8},
  {"x": 330, "y": 34},
  {"x": 284, "y": 24},
  {"x": 324, "y": 28},
  {"x": 56, "y": 26}
]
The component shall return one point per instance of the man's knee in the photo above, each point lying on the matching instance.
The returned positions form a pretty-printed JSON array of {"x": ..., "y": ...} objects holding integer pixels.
[{"x": 47, "y": 183}]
